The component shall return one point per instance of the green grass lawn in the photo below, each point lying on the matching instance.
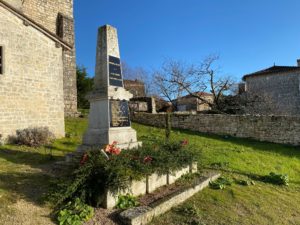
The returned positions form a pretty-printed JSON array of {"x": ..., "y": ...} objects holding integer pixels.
[
  {"x": 238, "y": 159},
  {"x": 25, "y": 178}
]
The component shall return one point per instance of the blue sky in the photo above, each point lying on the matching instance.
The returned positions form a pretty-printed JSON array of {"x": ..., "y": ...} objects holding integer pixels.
[{"x": 247, "y": 34}]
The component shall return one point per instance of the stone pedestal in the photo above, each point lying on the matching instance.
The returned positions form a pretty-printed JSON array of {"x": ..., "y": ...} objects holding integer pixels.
[{"x": 109, "y": 112}]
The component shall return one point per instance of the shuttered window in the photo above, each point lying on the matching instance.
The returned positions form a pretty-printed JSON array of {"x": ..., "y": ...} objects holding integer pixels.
[{"x": 1, "y": 60}]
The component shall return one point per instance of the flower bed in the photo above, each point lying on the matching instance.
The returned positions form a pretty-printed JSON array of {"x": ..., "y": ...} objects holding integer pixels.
[
  {"x": 104, "y": 174},
  {"x": 148, "y": 185}
]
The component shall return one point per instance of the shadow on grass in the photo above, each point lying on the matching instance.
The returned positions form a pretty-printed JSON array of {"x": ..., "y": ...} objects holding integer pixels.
[
  {"x": 284, "y": 150},
  {"x": 21, "y": 181},
  {"x": 255, "y": 177},
  {"x": 33, "y": 159},
  {"x": 29, "y": 186}
]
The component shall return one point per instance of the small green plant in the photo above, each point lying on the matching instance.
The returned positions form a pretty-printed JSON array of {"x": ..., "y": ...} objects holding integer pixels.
[
  {"x": 244, "y": 182},
  {"x": 192, "y": 214},
  {"x": 75, "y": 213},
  {"x": 278, "y": 179},
  {"x": 126, "y": 201},
  {"x": 220, "y": 183}
]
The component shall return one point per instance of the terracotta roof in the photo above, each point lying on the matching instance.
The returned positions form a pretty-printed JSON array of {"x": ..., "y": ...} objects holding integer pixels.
[
  {"x": 28, "y": 21},
  {"x": 133, "y": 82},
  {"x": 273, "y": 69},
  {"x": 200, "y": 93}
]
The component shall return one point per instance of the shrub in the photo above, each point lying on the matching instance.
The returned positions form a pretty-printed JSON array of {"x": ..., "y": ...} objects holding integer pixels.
[
  {"x": 127, "y": 201},
  {"x": 97, "y": 173},
  {"x": 278, "y": 179},
  {"x": 244, "y": 182},
  {"x": 220, "y": 183},
  {"x": 75, "y": 213},
  {"x": 33, "y": 137}
]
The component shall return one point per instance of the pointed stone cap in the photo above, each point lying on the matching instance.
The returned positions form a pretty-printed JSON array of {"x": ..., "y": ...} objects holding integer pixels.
[{"x": 108, "y": 65}]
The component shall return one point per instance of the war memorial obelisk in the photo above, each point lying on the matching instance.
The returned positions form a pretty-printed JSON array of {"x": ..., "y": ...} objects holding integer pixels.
[{"x": 109, "y": 113}]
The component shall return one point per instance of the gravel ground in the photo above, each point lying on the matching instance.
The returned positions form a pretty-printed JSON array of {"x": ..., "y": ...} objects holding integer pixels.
[{"x": 104, "y": 217}]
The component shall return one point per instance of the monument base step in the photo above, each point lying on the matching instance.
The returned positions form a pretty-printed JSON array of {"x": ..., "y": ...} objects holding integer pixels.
[
  {"x": 131, "y": 145},
  {"x": 62, "y": 167},
  {"x": 74, "y": 156}
]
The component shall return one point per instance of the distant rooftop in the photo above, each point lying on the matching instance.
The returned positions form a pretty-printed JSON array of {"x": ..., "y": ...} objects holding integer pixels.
[
  {"x": 200, "y": 94},
  {"x": 134, "y": 82},
  {"x": 274, "y": 69}
]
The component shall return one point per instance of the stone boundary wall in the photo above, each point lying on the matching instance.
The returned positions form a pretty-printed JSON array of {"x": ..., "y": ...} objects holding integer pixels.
[{"x": 276, "y": 129}]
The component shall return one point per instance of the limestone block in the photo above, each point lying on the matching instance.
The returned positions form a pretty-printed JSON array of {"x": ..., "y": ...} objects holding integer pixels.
[
  {"x": 111, "y": 199},
  {"x": 194, "y": 167},
  {"x": 155, "y": 181},
  {"x": 173, "y": 176},
  {"x": 119, "y": 93},
  {"x": 122, "y": 135},
  {"x": 17, "y": 4},
  {"x": 138, "y": 187}
]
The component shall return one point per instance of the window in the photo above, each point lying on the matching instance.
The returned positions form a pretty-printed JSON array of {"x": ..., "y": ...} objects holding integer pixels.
[{"x": 1, "y": 60}]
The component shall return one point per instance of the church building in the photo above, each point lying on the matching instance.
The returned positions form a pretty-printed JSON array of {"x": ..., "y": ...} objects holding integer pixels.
[{"x": 37, "y": 65}]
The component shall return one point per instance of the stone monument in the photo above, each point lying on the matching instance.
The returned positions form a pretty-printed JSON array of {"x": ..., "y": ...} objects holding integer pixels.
[{"x": 109, "y": 119}]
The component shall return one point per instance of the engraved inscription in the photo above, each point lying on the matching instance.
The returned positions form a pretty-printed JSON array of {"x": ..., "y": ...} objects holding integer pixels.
[
  {"x": 115, "y": 74},
  {"x": 119, "y": 113}
]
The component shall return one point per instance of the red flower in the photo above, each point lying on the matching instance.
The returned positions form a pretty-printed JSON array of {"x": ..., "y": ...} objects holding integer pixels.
[
  {"x": 84, "y": 159},
  {"x": 116, "y": 151},
  {"x": 112, "y": 149},
  {"x": 147, "y": 159},
  {"x": 184, "y": 142}
]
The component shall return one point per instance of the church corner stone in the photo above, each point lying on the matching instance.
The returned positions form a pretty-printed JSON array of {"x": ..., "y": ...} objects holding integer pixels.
[{"x": 109, "y": 113}]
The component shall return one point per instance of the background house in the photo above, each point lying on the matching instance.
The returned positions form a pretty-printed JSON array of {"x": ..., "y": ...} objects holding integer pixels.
[
  {"x": 135, "y": 87},
  {"x": 192, "y": 103},
  {"x": 278, "y": 88}
]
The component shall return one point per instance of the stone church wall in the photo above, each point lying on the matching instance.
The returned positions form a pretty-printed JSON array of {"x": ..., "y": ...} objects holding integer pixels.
[
  {"x": 31, "y": 88},
  {"x": 277, "y": 129},
  {"x": 57, "y": 17}
]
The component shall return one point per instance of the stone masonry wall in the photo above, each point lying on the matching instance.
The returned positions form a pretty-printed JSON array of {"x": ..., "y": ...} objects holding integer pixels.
[
  {"x": 31, "y": 88},
  {"x": 66, "y": 32},
  {"x": 277, "y": 129},
  {"x": 45, "y": 12},
  {"x": 57, "y": 17},
  {"x": 281, "y": 92}
]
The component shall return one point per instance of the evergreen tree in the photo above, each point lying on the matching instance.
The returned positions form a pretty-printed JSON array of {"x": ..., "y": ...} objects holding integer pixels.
[{"x": 84, "y": 85}]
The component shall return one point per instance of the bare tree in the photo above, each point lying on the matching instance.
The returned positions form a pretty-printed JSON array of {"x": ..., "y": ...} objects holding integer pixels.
[
  {"x": 176, "y": 78},
  {"x": 168, "y": 78}
]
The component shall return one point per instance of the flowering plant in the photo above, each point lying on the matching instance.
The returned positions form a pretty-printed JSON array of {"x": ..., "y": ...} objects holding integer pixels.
[
  {"x": 184, "y": 142},
  {"x": 84, "y": 158},
  {"x": 112, "y": 149},
  {"x": 147, "y": 159}
]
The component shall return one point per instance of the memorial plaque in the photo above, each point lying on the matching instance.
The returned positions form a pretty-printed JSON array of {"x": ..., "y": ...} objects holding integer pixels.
[
  {"x": 115, "y": 74},
  {"x": 119, "y": 113}
]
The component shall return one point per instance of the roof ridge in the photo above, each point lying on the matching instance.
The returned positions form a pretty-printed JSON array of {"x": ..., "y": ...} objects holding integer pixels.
[{"x": 272, "y": 69}]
